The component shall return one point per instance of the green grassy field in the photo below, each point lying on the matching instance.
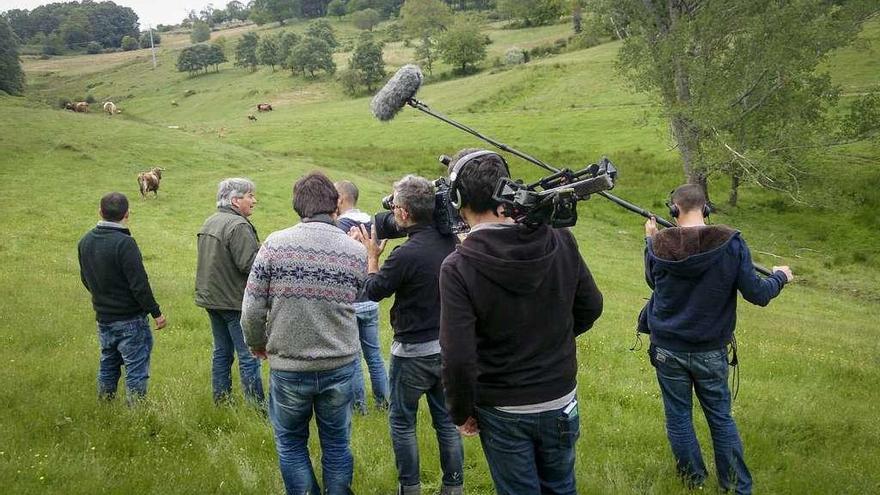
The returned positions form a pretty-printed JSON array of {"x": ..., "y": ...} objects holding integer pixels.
[{"x": 806, "y": 407}]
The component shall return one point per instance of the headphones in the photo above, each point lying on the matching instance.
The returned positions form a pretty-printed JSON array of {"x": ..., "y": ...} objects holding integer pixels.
[
  {"x": 674, "y": 212},
  {"x": 454, "y": 193}
]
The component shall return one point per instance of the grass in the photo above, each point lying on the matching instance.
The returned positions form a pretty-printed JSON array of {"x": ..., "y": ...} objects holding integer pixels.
[{"x": 809, "y": 361}]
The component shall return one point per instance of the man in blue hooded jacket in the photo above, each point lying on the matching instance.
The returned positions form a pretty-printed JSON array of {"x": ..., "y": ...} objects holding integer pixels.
[{"x": 695, "y": 271}]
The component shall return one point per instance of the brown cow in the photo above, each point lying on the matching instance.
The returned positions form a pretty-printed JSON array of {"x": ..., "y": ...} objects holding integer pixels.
[
  {"x": 81, "y": 107},
  {"x": 69, "y": 106},
  {"x": 264, "y": 107},
  {"x": 149, "y": 181}
]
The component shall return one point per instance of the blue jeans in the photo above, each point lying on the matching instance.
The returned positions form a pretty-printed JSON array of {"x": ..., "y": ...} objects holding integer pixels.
[
  {"x": 128, "y": 343},
  {"x": 410, "y": 379},
  {"x": 530, "y": 453},
  {"x": 680, "y": 374},
  {"x": 229, "y": 340},
  {"x": 293, "y": 395},
  {"x": 368, "y": 325}
]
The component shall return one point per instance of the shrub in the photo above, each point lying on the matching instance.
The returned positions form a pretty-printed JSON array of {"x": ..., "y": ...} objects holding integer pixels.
[
  {"x": 515, "y": 56},
  {"x": 90, "y": 99},
  {"x": 93, "y": 47},
  {"x": 129, "y": 43}
]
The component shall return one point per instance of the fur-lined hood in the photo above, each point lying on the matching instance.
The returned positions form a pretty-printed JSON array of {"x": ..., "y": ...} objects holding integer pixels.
[{"x": 688, "y": 251}]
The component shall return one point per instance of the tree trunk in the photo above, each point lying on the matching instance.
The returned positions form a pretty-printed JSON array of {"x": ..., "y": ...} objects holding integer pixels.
[
  {"x": 576, "y": 19},
  {"x": 733, "y": 198}
]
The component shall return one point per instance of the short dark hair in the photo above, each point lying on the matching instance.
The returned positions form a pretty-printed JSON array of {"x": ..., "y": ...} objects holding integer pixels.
[
  {"x": 314, "y": 194},
  {"x": 477, "y": 180},
  {"x": 416, "y": 194},
  {"x": 689, "y": 197},
  {"x": 114, "y": 206},
  {"x": 347, "y": 189}
]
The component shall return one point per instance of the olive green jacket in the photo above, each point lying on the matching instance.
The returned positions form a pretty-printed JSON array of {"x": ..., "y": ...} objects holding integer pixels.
[{"x": 227, "y": 245}]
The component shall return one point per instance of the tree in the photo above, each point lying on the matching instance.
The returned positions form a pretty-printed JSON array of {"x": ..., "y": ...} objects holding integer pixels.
[
  {"x": 337, "y": 8},
  {"x": 11, "y": 75},
  {"x": 366, "y": 19},
  {"x": 425, "y": 18},
  {"x": 263, "y": 11},
  {"x": 366, "y": 62},
  {"x": 199, "y": 57},
  {"x": 311, "y": 55},
  {"x": 269, "y": 51},
  {"x": 213, "y": 55},
  {"x": 145, "y": 39},
  {"x": 286, "y": 41},
  {"x": 75, "y": 29},
  {"x": 740, "y": 82},
  {"x": 246, "y": 51},
  {"x": 129, "y": 43},
  {"x": 236, "y": 10},
  {"x": 322, "y": 30},
  {"x": 200, "y": 32},
  {"x": 463, "y": 45},
  {"x": 532, "y": 12},
  {"x": 93, "y": 47}
]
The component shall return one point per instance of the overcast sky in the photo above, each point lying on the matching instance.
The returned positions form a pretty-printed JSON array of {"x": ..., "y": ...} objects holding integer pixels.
[{"x": 148, "y": 11}]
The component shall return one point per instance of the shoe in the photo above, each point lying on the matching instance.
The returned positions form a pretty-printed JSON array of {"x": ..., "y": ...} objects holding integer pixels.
[{"x": 452, "y": 490}]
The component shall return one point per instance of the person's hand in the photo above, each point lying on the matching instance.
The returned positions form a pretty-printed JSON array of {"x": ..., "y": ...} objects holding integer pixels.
[
  {"x": 355, "y": 233},
  {"x": 651, "y": 227},
  {"x": 160, "y": 322},
  {"x": 469, "y": 428},
  {"x": 374, "y": 249},
  {"x": 260, "y": 354},
  {"x": 786, "y": 270}
]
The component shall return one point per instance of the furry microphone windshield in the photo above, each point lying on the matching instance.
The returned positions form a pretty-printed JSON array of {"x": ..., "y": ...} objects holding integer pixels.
[{"x": 397, "y": 92}]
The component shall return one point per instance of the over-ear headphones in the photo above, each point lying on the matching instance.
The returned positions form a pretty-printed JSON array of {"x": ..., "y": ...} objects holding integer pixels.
[
  {"x": 674, "y": 212},
  {"x": 454, "y": 193}
]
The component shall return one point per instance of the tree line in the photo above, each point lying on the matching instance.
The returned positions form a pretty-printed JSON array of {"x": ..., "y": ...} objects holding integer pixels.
[{"x": 74, "y": 26}]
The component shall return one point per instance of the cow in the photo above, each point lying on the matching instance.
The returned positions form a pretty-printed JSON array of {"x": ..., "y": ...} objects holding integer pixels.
[
  {"x": 149, "y": 181},
  {"x": 69, "y": 106},
  {"x": 110, "y": 108},
  {"x": 81, "y": 107},
  {"x": 252, "y": 117},
  {"x": 264, "y": 107}
]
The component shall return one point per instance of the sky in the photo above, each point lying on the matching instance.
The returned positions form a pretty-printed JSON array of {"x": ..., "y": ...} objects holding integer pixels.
[{"x": 149, "y": 11}]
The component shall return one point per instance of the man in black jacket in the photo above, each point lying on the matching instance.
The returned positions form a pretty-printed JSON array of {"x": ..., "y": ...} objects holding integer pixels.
[
  {"x": 695, "y": 271},
  {"x": 112, "y": 270},
  {"x": 513, "y": 299},
  {"x": 411, "y": 273}
]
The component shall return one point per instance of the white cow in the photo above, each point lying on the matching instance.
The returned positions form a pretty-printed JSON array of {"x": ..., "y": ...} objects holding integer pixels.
[{"x": 110, "y": 107}]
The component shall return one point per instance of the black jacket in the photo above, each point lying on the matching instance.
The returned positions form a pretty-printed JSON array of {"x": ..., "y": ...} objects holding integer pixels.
[
  {"x": 695, "y": 273},
  {"x": 513, "y": 300},
  {"x": 113, "y": 271},
  {"x": 411, "y": 273}
]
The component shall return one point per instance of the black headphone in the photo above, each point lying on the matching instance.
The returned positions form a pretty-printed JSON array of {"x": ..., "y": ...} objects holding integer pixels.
[
  {"x": 454, "y": 193},
  {"x": 674, "y": 212}
]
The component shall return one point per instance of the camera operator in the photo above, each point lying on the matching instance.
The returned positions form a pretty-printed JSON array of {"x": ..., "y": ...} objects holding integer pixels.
[
  {"x": 411, "y": 273},
  {"x": 695, "y": 271},
  {"x": 513, "y": 299}
]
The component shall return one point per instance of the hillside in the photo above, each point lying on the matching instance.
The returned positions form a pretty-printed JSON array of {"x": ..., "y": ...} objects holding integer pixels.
[{"x": 809, "y": 361}]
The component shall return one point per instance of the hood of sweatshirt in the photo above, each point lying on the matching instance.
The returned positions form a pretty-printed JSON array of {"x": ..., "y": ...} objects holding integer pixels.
[
  {"x": 689, "y": 251},
  {"x": 357, "y": 215},
  {"x": 515, "y": 257}
]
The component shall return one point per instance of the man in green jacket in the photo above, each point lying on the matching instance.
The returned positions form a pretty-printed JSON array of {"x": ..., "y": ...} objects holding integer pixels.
[{"x": 227, "y": 245}]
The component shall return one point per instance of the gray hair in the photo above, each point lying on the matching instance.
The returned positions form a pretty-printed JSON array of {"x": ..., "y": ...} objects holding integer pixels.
[
  {"x": 416, "y": 194},
  {"x": 235, "y": 187}
]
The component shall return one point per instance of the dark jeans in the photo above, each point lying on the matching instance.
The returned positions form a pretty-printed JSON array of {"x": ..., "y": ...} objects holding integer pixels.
[
  {"x": 530, "y": 453},
  {"x": 229, "y": 341},
  {"x": 680, "y": 374},
  {"x": 128, "y": 343},
  {"x": 410, "y": 379},
  {"x": 293, "y": 395},
  {"x": 368, "y": 325}
]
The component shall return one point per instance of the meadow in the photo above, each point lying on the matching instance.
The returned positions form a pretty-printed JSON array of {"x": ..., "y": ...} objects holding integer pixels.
[{"x": 810, "y": 362}]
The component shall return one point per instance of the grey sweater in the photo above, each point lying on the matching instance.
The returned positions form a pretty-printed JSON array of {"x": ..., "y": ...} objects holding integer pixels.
[{"x": 298, "y": 300}]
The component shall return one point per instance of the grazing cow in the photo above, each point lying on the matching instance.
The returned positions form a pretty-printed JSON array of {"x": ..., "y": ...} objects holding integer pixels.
[
  {"x": 110, "y": 108},
  {"x": 149, "y": 181},
  {"x": 81, "y": 107},
  {"x": 173, "y": 103},
  {"x": 252, "y": 117},
  {"x": 264, "y": 107}
]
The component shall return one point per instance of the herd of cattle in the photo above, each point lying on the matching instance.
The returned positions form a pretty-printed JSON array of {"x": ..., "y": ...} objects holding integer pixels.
[{"x": 147, "y": 181}]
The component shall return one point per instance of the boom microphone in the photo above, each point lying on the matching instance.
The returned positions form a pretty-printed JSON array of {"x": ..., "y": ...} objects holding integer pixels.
[{"x": 398, "y": 92}]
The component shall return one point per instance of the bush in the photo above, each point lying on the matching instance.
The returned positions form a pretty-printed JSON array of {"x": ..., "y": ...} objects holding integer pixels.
[
  {"x": 145, "y": 39},
  {"x": 93, "y": 47},
  {"x": 129, "y": 43},
  {"x": 583, "y": 40},
  {"x": 350, "y": 82},
  {"x": 90, "y": 99},
  {"x": 200, "y": 32},
  {"x": 515, "y": 56}
]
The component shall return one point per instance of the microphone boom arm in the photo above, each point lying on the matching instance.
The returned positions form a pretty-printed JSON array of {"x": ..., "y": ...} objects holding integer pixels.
[{"x": 418, "y": 105}]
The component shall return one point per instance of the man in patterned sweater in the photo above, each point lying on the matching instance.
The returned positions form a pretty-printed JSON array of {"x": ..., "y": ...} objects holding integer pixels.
[{"x": 297, "y": 312}]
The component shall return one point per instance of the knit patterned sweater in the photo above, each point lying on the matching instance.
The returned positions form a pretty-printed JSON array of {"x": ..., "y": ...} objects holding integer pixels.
[{"x": 298, "y": 299}]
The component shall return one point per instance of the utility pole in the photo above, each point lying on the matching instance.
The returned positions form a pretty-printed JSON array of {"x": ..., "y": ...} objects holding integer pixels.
[{"x": 152, "y": 47}]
